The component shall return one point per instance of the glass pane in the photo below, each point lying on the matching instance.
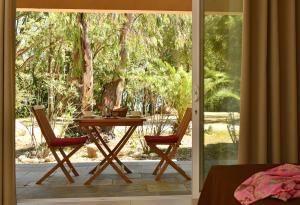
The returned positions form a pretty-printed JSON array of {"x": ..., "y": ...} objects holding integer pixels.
[{"x": 222, "y": 65}]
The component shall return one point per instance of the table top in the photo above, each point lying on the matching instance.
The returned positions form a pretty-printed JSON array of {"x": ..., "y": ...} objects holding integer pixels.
[{"x": 112, "y": 121}]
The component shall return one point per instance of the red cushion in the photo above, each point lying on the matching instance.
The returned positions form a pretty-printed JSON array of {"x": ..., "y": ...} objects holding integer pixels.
[
  {"x": 63, "y": 142},
  {"x": 161, "y": 139}
]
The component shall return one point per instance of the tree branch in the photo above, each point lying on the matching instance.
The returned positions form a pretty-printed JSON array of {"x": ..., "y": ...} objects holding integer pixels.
[{"x": 28, "y": 60}]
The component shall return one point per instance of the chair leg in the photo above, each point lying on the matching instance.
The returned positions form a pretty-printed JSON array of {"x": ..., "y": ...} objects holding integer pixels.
[
  {"x": 168, "y": 162},
  {"x": 161, "y": 161},
  {"x": 157, "y": 168},
  {"x": 61, "y": 165},
  {"x": 43, "y": 178},
  {"x": 161, "y": 171},
  {"x": 72, "y": 168}
]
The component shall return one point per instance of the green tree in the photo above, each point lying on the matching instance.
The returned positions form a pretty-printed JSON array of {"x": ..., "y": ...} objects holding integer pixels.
[{"x": 222, "y": 62}]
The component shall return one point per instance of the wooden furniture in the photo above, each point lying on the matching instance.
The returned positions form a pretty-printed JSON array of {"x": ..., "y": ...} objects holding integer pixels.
[
  {"x": 92, "y": 127},
  {"x": 173, "y": 142},
  {"x": 57, "y": 144},
  {"x": 119, "y": 112}
]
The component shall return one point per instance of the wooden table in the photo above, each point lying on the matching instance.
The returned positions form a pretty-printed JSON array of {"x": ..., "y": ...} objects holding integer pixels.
[{"x": 91, "y": 127}]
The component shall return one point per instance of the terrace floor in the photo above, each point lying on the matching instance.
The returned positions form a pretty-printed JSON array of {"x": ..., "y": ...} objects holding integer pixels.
[{"x": 109, "y": 184}]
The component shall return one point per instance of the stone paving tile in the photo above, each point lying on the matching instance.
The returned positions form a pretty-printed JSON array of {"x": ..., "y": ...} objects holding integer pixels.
[
  {"x": 151, "y": 169},
  {"x": 83, "y": 191},
  {"x": 20, "y": 191},
  {"x": 32, "y": 176},
  {"x": 166, "y": 187},
  {"x": 165, "y": 176},
  {"x": 145, "y": 181},
  {"x": 108, "y": 184},
  {"x": 188, "y": 185},
  {"x": 84, "y": 170},
  {"x": 181, "y": 179},
  {"x": 147, "y": 175},
  {"x": 134, "y": 181},
  {"x": 22, "y": 184},
  {"x": 102, "y": 182},
  {"x": 21, "y": 174}
]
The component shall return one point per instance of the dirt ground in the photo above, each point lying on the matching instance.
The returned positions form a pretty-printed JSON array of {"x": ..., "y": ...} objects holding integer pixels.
[
  {"x": 27, "y": 150},
  {"x": 218, "y": 143}
]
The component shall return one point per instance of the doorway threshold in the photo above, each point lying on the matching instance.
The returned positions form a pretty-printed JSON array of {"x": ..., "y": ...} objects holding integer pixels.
[{"x": 132, "y": 200}]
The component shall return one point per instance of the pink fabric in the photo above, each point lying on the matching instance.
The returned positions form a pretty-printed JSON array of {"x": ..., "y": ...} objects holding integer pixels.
[{"x": 282, "y": 182}]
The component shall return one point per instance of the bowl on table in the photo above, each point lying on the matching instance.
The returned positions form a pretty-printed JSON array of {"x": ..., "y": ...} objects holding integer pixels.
[{"x": 119, "y": 112}]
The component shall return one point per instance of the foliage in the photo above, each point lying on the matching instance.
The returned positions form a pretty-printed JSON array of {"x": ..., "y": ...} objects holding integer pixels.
[
  {"x": 157, "y": 125},
  {"x": 178, "y": 92},
  {"x": 231, "y": 127},
  {"x": 158, "y": 70},
  {"x": 222, "y": 62}
]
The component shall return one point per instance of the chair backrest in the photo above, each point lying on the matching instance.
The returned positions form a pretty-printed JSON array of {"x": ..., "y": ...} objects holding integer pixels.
[
  {"x": 43, "y": 122},
  {"x": 184, "y": 124}
]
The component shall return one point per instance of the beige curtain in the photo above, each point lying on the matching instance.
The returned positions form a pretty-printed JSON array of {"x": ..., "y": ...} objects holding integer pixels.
[
  {"x": 7, "y": 98},
  {"x": 270, "y": 84}
]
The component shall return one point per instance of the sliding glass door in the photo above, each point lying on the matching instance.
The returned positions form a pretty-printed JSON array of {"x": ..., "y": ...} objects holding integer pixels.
[
  {"x": 222, "y": 52},
  {"x": 217, "y": 53}
]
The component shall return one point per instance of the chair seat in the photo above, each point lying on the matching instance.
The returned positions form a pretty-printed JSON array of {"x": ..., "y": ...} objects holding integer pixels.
[
  {"x": 64, "y": 142},
  {"x": 162, "y": 139}
]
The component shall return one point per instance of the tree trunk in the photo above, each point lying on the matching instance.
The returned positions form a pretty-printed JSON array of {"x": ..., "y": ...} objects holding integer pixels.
[
  {"x": 87, "y": 66},
  {"x": 50, "y": 74},
  {"x": 112, "y": 91},
  {"x": 144, "y": 103}
]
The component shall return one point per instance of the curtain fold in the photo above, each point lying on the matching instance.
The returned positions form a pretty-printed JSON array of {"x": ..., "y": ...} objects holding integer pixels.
[
  {"x": 7, "y": 98},
  {"x": 270, "y": 82}
]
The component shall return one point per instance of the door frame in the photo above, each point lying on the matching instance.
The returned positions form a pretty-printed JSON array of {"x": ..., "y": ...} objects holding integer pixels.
[
  {"x": 197, "y": 90},
  {"x": 197, "y": 99}
]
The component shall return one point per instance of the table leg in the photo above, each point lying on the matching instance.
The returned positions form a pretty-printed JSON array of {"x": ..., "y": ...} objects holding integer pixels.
[
  {"x": 109, "y": 158},
  {"x": 110, "y": 153}
]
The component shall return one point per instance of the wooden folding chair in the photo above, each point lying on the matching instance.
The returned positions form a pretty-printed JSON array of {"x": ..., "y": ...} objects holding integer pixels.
[
  {"x": 173, "y": 142},
  {"x": 57, "y": 144}
]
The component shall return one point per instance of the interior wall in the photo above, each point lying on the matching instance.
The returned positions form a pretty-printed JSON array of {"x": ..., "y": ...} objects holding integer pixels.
[
  {"x": 223, "y": 6},
  {"x": 214, "y": 6},
  {"x": 108, "y": 5}
]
